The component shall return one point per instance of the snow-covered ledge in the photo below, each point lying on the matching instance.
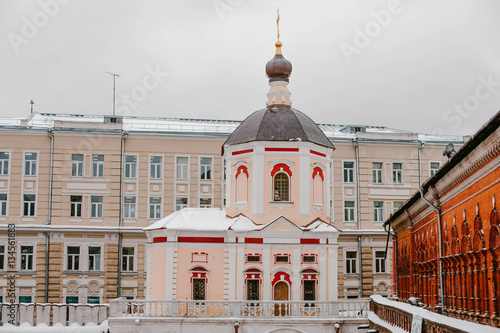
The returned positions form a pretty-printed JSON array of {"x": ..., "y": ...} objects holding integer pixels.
[{"x": 392, "y": 316}]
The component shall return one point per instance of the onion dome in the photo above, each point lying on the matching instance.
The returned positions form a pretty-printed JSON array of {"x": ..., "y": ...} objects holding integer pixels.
[{"x": 278, "y": 68}]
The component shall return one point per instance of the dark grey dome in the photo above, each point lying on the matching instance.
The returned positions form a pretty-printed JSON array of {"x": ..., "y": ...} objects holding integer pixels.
[{"x": 278, "y": 123}]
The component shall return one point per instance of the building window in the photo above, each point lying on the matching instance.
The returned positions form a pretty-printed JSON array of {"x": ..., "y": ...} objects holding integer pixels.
[
  {"x": 4, "y": 163},
  {"x": 309, "y": 259},
  {"x": 379, "y": 261},
  {"x": 434, "y": 167},
  {"x": 397, "y": 205},
  {"x": 378, "y": 211},
  {"x": 29, "y": 205},
  {"x": 253, "y": 290},
  {"x": 282, "y": 259},
  {"x": 97, "y": 165},
  {"x": 350, "y": 262},
  {"x": 3, "y": 204},
  {"x": 96, "y": 207},
  {"x": 30, "y": 164},
  {"x": 198, "y": 289},
  {"x": 377, "y": 173},
  {"x": 181, "y": 203},
  {"x": 281, "y": 187},
  {"x": 93, "y": 300},
  {"x": 130, "y": 166},
  {"x": 206, "y": 168},
  {"x": 24, "y": 299},
  {"x": 94, "y": 258},
  {"x": 77, "y": 165},
  {"x": 348, "y": 211},
  {"x": 309, "y": 290},
  {"x": 155, "y": 167},
  {"x": 26, "y": 258},
  {"x": 397, "y": 173},
  {"x": 73, "y": 258},
  {"x": 205, "y": 202},
  {"x": 71, "y": 299},
  {"x": 154, "y": 208},
  {"x": 76, "y": 206},
  {"x": 128, "y": 259},
  {"x": 253, "y": 257},
  {"x": 181, "y": 168},
  {"x": 348, "y": 172},
  {"x": 129, "y": 207},
  {"x": 2, "y": 257}
]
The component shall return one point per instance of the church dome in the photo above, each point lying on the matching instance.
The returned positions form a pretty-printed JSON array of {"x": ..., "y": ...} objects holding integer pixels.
[
  {"x": 278, "y": 123},
  {"x": 278, "y": 68}
]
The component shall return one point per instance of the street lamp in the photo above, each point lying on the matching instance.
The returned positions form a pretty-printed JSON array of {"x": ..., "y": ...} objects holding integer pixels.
[
  {"x": 236, "y": 326},
  {"x": 337, "y": 327}
]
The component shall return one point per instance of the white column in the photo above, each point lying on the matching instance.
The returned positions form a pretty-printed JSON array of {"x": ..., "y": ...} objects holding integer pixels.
[
  {"x": 148, "y": 253},
  {"x": 258, "y": 183},
  {"x": 295, "y": 274},
  {"x": 229, "y": 169},
  {"x": 333, "y": 290},
  {"x": 240, "y": 278},
  {"x": 169, "y": 276},
  {"x": 266, "y": 279},
  {"x": 305, "y": 185},
  {"x": 231, "y": 269},
  {"x": 323, "y": 274}
]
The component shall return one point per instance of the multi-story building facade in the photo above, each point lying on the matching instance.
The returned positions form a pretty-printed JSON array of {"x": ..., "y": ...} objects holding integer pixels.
[{"x": 80, "y": 189}]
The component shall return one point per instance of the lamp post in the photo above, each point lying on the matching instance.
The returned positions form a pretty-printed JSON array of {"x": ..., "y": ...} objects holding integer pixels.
[
  {"x": 337, "y": 327},
  {"x": 236, "y": 326}
]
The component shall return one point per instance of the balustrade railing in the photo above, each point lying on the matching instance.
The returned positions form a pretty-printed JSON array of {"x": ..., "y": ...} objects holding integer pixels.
[{"x": 186, "y": 308}]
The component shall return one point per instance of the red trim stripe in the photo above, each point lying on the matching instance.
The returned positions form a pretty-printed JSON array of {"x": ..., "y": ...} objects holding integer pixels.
[
  {"x": 309, "y": 241},
  {"x": 239, "y": 152},
  {"x": 160, "y": 240},
  {"x": 200, "y": 239},
  {"x": 317, "y": 153},
  {"x": 254, "y": 240},
  {"x": 282, "y": 149}
]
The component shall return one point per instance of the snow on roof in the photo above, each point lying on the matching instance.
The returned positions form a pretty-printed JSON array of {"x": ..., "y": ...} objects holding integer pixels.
[
  {"x": 243, "y": 223},
  {"x": 206, "y": 219}
]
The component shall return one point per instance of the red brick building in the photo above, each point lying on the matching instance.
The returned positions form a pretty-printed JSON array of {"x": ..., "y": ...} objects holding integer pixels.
[{"x": 447, "y": 236}]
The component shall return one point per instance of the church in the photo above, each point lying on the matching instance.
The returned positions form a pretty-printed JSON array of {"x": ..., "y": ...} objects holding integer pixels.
[{"x": 273, "y": 239}]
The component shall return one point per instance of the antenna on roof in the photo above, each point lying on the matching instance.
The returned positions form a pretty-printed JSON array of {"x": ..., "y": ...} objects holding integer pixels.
[
  {"x": 449, "y": 151},
  {"x": 32, "y": 105},
  {"x": 114, "y": 77}
]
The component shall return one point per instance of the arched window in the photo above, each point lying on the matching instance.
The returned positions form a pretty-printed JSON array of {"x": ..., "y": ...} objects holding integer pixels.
[{"x": 281, "y": 187}]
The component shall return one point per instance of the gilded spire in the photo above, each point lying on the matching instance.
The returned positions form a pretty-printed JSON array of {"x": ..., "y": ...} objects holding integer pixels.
[{"x": 278, "y": 43}]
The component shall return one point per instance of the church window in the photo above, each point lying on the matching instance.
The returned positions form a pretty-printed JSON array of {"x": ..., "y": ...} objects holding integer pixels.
[
  {"x": 253, "y": 290},
  {"x": 198, "y": 289},
  {"x": 282, "y": 258},
  {"x": 281, "y": 187},
  {"x": 309, "y": 290}
]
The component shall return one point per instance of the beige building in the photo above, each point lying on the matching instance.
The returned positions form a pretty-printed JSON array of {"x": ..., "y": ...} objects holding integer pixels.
[{"x": 80, "y": 189}]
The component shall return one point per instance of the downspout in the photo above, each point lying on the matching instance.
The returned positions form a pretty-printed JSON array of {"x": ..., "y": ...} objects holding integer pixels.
[
  {"x": 420, "y": 163},
  {"x": 49, "y": 220},
  {"x": 395, "y": 257},
  {"x": 438, "y": 212},
  {"x": 358, "y": 215},
  {"x": 120, "y": 236}
]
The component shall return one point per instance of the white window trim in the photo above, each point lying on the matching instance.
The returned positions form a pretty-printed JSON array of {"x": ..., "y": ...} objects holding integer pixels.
[
  {"x": 87, "y": 257},
  {"x": 345, "y": 261},
  {"x": 381, "y": 173},
  {"x": 6, "y": 176},
  {"x": 102, "y": 207},
  {"x": 136, "y": 166},
  {"x": 430, "y": 170},
  {"x": 98, "y": 163},
  {"x": 83, "y": 166},
  {"x": 212, "y": 174},
  {"x": 2, "y": 217},
  {"x": 353, "y": 171},
  {"x": 149, "y": 207},
  {"x": 135, "y": 258},
  {"x": 401, "y": 171},
  {"x": 162, "y": 164},
  {"x": 37, "y": 161},
  {"x": 379, "y": 208},
  {"x": 188, "y": 174},
  {"x": 343, "y": 210},
  {"x": 19, "y": 254},
  {"x": 375, "y": 250}
]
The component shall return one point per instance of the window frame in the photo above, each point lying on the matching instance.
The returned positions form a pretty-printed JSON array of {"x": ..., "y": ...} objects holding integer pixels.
[
  {"x": 378, "y": 212},
  {"x": 29, "y": 206},
  {"x": 5, "y": 164},
  {"x": 433, "y": 171},
  {"x": 277, "y": 195},
  {"x": 204, "y": 167},
  {"x": 397, "y": 174},
  {"x": 181, "y": 168},
  {"x": 97, "y": 166},
  {"x": 348, "y": 172},
  {"x": 205, "y": 205},
  {"x": 130, "y": 207},
  {"x": 394, "y": 205},
  {"x": 193, "y": 292},
  {"x": 155, "y": 168},
  {"x": 257, "y": 282},
  {"x": 182, "y": 205},
  {"x": 27, "y": 260},
  {"x": 378, "y": 173},
  {"x": 157, "y": 208},
  {"x": 2, "y": 258},
  {"x": 75, "y": 210},
  {"x": 99, "y": 261},
  {"x": 127, "y": 257},
  {"x": 77, "y": 165},
  {"x": 4, "y": 205},
  {"x": 312, "y": 282},
  {"x": 379, "y": 262},
  {"x": 131, "y": 167},
  {"x": 73, "y": 258},
  {"x": 352, "y": 210},
  {"x": 30, "y": 164},
  {"x": 353, "y": 262},
  {"x": 96, "y": 213}
]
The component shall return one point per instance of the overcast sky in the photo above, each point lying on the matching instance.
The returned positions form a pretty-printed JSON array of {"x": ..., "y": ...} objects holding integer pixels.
[{"x": 424, "y": 66}]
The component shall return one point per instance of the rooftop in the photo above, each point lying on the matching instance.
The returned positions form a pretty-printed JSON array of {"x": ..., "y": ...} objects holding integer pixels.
[{"x": 212, "y": 127}]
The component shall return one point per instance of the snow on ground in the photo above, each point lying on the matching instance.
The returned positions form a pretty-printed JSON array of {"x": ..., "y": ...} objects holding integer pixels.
[
  {"x": 372, "y": 317},
  {"x": 57, "y": 328}
]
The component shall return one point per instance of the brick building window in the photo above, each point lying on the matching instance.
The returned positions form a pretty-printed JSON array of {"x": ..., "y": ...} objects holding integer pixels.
[
  {"x": 130, "y": 166},
  {"x": 380, "y": 262},
  {"x": 350, "y": 262},
  {"x": 282, "y": 259},
  {"x": 377, "y": 173},
  {"x": 76, "y": 206},
  {"x": 73, "y": 258},
  {"x": 97, "y": 165},
  {"x": 128, "y": 259},
  {"x": 77, "y": 165},
  {"x": 309, "y": 259},
  {"x": 434, "y": 167},
  {"x": 26, "y": 258},
  {"x": 4, "y": 163},
  {"x": 397, "y": 205},
  {"x": 94, "y": 258}
]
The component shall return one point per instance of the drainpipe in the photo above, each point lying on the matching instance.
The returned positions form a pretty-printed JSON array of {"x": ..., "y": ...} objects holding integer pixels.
[
  {"x": 438, "y": 212},
  {"x": 420, "y": 163},
  {"x": 120, "y": 236},
  {"x": 358, "y": 214},
  {"x": 47, "y": 236},
  {"x": 395, "y": 251}
]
